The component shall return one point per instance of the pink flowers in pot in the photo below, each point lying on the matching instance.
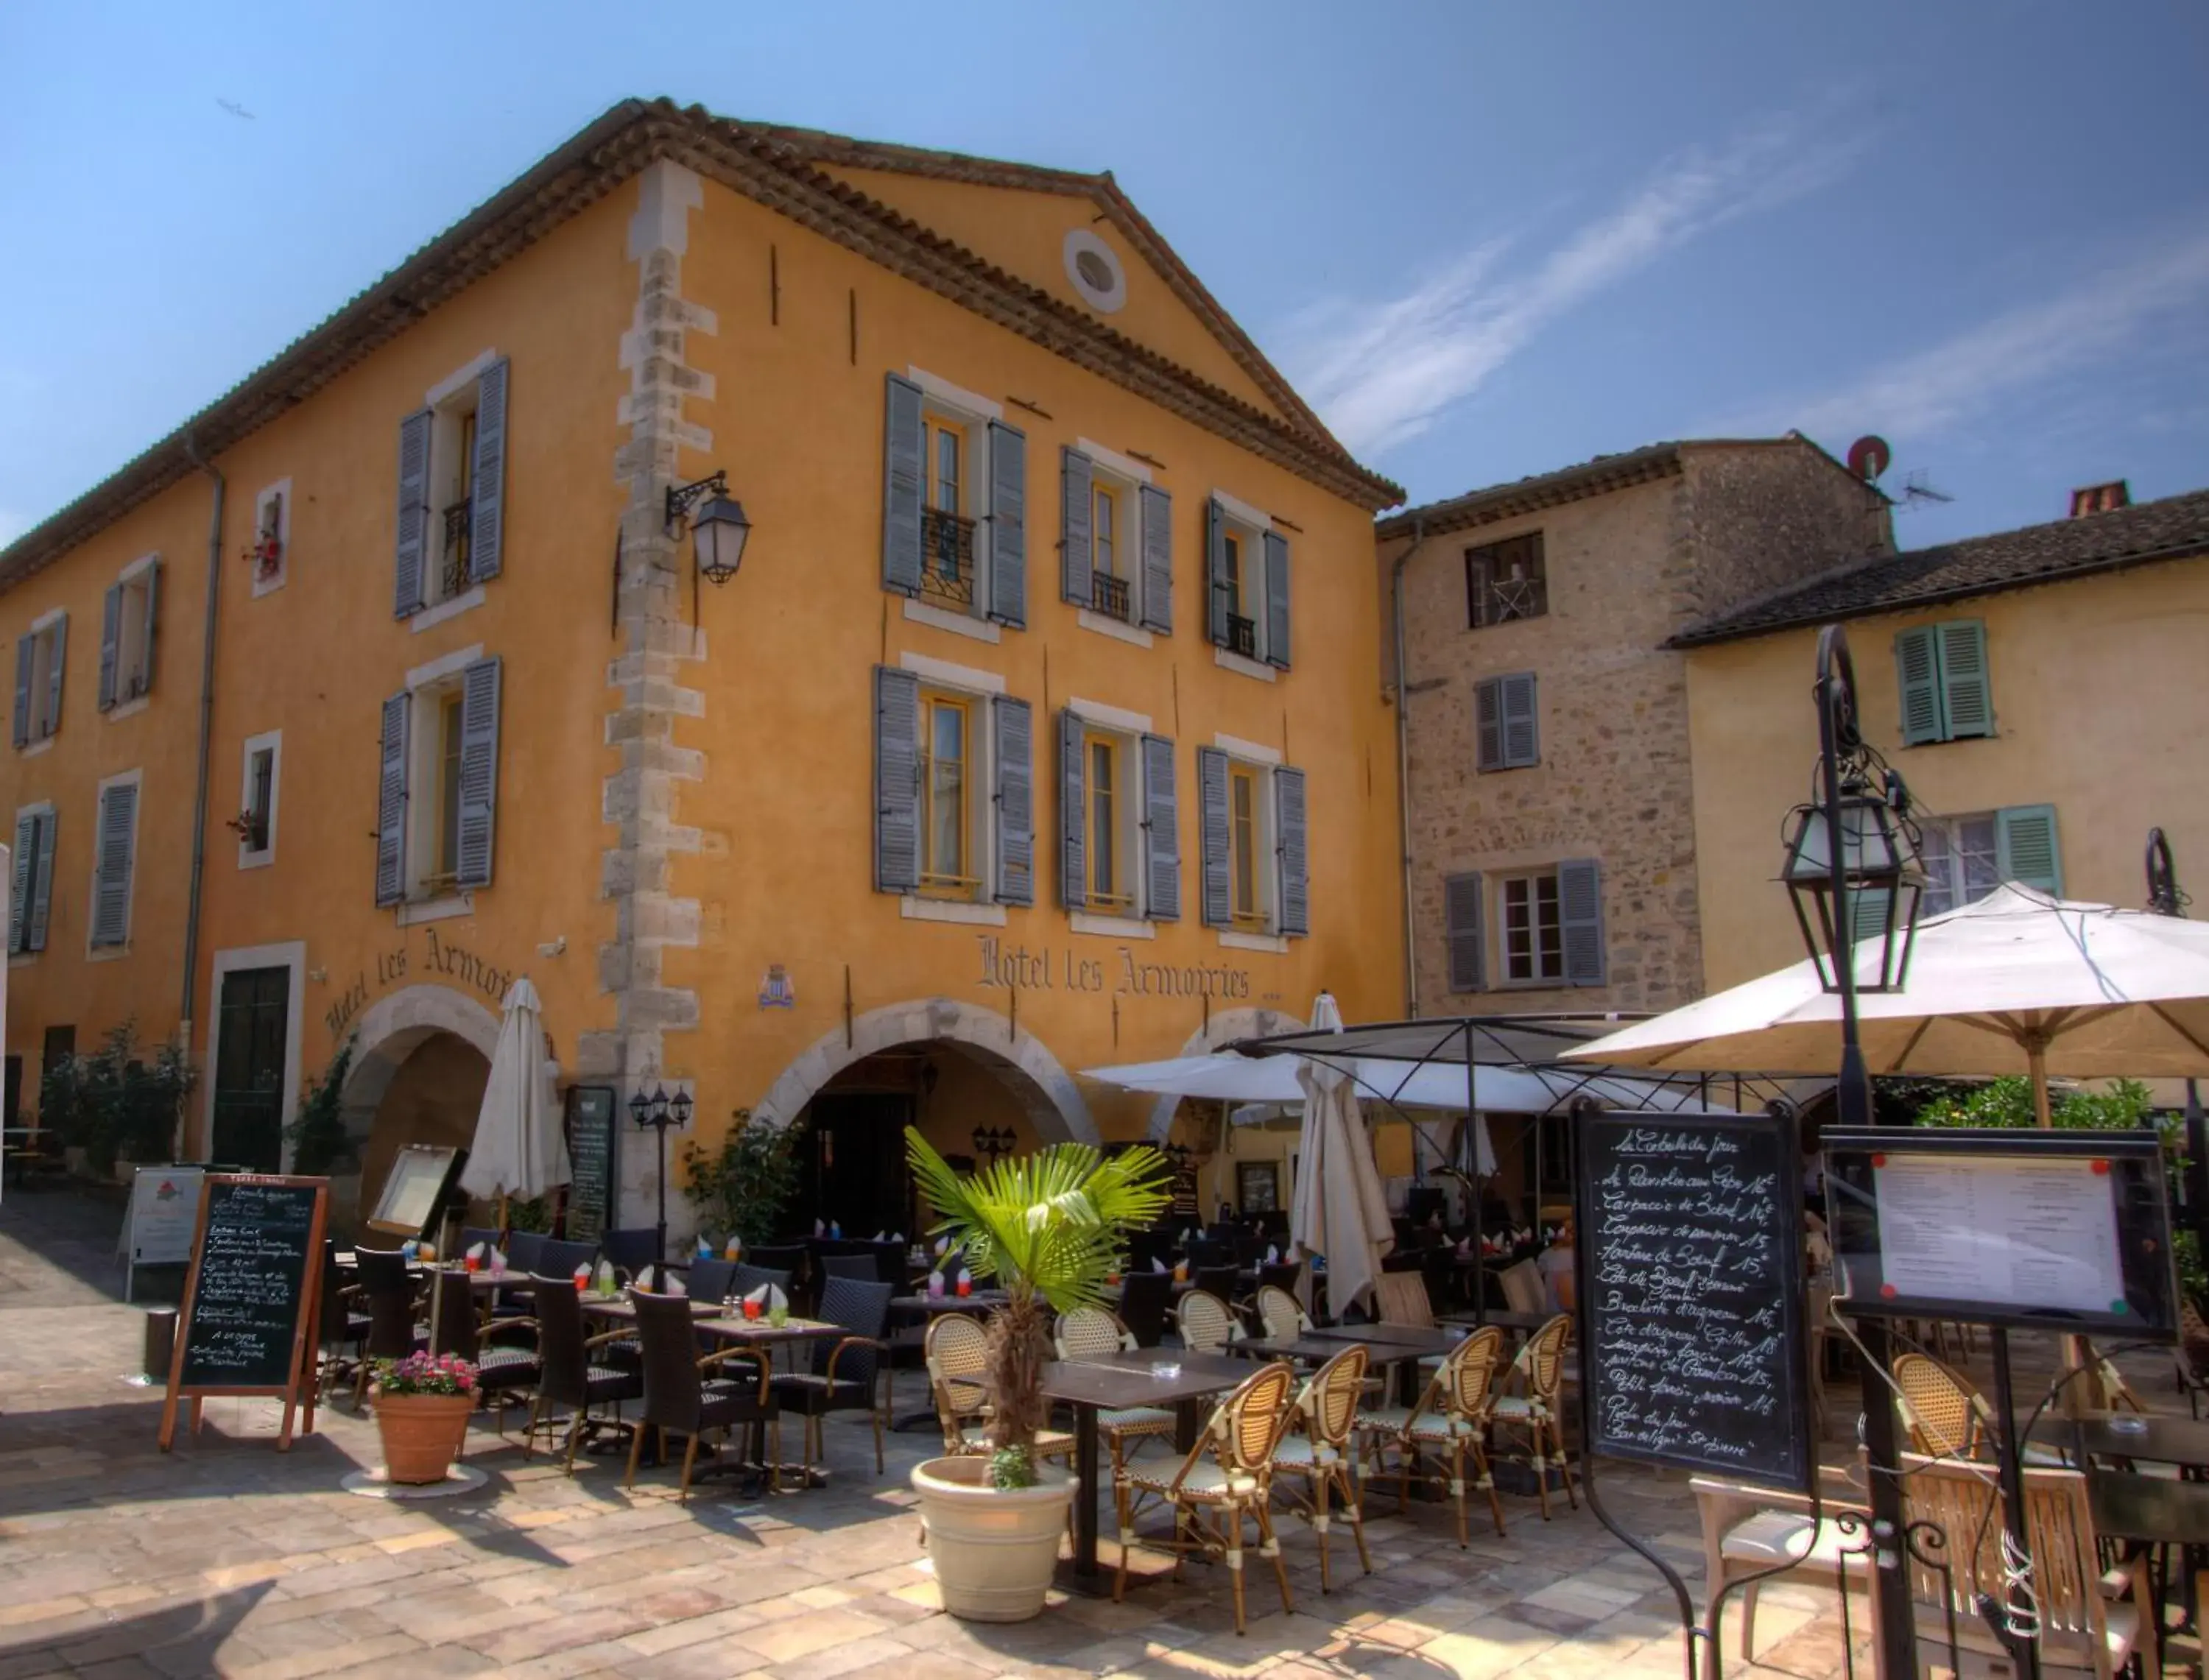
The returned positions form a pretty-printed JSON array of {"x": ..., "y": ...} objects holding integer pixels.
[{"x": 427, "y": 1373}]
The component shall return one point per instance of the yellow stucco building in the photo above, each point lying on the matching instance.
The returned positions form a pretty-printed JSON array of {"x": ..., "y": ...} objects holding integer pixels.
[
  {"x": 2040, "y": 690},
  {"x": 1040, "y": 728}
]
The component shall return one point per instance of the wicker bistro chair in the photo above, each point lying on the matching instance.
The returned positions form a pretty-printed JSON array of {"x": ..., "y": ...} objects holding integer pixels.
[
  {"x": 1451, "y": 1420},
  {"x": 1206, "y": 1324},
  {"x": 343, "y": 1333},
  {"x": 1225, "y": 1480},
  {"x": 1084, "y": 1333},
  {"x": 957, "y": 1353},
  {"x": 681, "y": 1398},
  {"x": 569, "y": 1376},
  {"x": 1284, "y": 1320},
  {"x": 851, "y": 1374},
  {"x": 501, "y": 1370},
  {"x": 388, "y": 1289},
  {"x": 1945, "y": 1416},
  {"x": 1319, "y": 1448},
  {"x": 1539, "y": 1409}
]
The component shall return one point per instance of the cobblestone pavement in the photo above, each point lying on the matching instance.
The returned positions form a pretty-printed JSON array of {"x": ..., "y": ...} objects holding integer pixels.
[{"x": 230, "y": 1558}]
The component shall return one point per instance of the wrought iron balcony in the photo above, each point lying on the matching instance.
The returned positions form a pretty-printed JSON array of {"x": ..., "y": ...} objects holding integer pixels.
[
  {"x": 1109, "y": 595},
  {"x": 946, "y": 558},
  {"x": 1498, "y": 601},
  {"x": 456, "y": 569},
  {"x": 1241, "y": 636}
]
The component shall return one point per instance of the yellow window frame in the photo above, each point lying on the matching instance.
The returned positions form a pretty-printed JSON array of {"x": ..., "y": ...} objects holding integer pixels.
[
  {"x": 934, "y": 428},
  {"x": 1104, "y": 898},
  {"x": 1242, "y": 848},
  {"x": 1104, "y": 514},
  {"x": 942, "y": 883},
  {"x": 1232, "y": 551}
]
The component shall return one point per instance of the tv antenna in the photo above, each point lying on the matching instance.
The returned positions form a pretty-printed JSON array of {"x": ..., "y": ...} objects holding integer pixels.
[{"x": 1915, "y": 492}]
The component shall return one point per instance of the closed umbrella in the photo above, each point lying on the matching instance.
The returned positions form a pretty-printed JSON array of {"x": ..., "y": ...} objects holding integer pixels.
[
  {"x": 519, "y": 1149},
  {"x": 1340, "y": 1210}
]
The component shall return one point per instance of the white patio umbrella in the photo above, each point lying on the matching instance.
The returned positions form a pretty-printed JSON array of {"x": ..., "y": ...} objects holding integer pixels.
[
  {"x": 2017, "y": 982},
  {"x": 1228, "y": 1077},
  {"x": 1340, "y": 1210},
  {"x": 518, "y": 1148}
]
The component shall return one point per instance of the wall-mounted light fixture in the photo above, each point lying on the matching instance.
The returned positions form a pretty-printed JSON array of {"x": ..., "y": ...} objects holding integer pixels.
[{"x": 718, "y": 530}]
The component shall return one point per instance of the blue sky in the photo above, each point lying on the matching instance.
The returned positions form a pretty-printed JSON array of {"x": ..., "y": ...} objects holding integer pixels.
[{"x": 1486, "y": 240}]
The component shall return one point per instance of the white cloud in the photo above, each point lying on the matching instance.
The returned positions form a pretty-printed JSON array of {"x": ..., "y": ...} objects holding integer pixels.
[{"x": 1383, "y": 372}]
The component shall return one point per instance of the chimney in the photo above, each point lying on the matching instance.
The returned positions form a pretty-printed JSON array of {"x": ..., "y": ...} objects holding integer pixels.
[{"x": 2100, "y": 499}]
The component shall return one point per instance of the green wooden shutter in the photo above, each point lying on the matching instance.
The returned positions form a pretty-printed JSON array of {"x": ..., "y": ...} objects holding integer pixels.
[
  {"x": 1215, "y": 572},
  {"x": 904, "y": 443},
  {"x": 19, "y": 892},
  {"x": 1291, "y": 842},
  {"x": 1277, "y": 600},
  {"x": 26, "y": 662},
  {"x": 391, "y": 802},
  {"x": 1073, "y": 807},
  {"x": 1014, "y": 766},
  {"x": 1464, "y": 905},
  {"x": 1579, "y": 916},
  {"x": 487, "y": 490},
  {"x": 1158, "y": 558},
  {"x": 1213, "y": 837},
  {"x": 1008, "y": 525},
  {"x": 897, "y": 781},
  {"x": 1967, "y": 706},
  {"x": 1076, "y": 501},
  {"x": 111, "y": 888},
  {"x": 1917, "y": 665},
  {"x": 412, "y": 558},
  {"x": 42, "y": 881},
  {"x": 480, "y": 712},
  {"x": 1522, "y": 728},
  {"x": 1488, "y": 724},
  {"x": 1161, "y": 831},
  {"x": 2025, "y": 849},
  {"x": 110, "y": 639}
]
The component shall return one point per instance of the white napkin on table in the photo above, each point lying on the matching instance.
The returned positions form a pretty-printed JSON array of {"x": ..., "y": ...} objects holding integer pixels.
[
  {"x": 769, "y": 1298},
  {"x": 1158, "y": 1265}
]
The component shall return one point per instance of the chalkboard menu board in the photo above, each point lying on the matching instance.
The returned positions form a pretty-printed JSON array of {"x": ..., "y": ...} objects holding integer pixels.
[
  {"x": 591, "y": 1132},
  {"x": 1690, "y": 1250},
  {"x": 252, "y": 1293}
]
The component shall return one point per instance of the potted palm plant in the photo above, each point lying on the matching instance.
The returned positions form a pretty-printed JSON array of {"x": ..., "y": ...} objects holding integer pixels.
[{"x": 1048, "y": 1228}]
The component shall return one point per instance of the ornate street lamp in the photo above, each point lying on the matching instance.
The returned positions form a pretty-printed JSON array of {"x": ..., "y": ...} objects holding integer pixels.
[
  {"x": 657, "y": 1112},
  {"x": 718, "y": 530},
  {"x": 990, "y": 1142}
]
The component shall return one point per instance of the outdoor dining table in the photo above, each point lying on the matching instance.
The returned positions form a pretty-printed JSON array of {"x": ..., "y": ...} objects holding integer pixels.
[
  {"x": 1523, "y": 1323},
  {"x": 2142, "y": 1439},
  {"x": 2152, "y": 1510},
  {"x": 1110, "y": 1381}
]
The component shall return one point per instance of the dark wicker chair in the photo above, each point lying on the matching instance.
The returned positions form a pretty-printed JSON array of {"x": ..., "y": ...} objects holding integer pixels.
[
  {"x": 1144, "y": 1297},
  {"x": 569, "y": 1376},
  {"x": 472, "y": 1234},
  {"x": 681, "y": 1398},
  {"x": 851, "y": 1373},
  {"x": 708, "y": 1279},
  {"x": 343, "y": 1326},
  {"x": 525, "y": 1256},
  {"x": 1224, "y": 1281},
  {"x": 860, "y": 1267},
  {"x": 558, "y": 1258},
  {"x": 750, "y": 1277},
  {"x": 388, "y": 1288},
  {"x": 631, "y": 1252},
  {"x": 501, "y": 1370}
]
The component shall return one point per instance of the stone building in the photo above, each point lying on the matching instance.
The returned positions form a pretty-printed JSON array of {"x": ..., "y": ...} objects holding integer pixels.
[{"x": 1549, "y": 803}]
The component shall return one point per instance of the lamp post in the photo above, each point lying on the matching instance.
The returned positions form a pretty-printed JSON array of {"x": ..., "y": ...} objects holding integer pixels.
[
  {"x": 1853, "y": 868},
  {"x": 992, "y": 1142},
  {"x": 659, "y": 1111}
]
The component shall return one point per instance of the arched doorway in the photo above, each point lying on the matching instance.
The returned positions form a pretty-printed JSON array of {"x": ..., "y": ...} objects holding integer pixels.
[{"x": 421, "y": 1059}]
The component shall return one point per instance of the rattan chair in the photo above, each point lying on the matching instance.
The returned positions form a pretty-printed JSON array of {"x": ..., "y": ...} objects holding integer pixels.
[
  {"x": 1207, "y": 1325},
  {"x": 1087, "y": 1332},
  {"x": 957, "y": 1353},
  {"x": 1223, "y": 1482},
  {"x": 1319, "y": 1448},
  {"x": 1451, "y": 1420},
  {"x": 1522, "y": 1287},
  {"x": 680, "y": 1398},
  {"x": 1945, "y": 1414},
  {"x": 1400, "y": 1297},
  {"x": 1537, "y": 1409},
  {"x": 569, "y": 1377},
  {"x": 1285, "y": 1321}
]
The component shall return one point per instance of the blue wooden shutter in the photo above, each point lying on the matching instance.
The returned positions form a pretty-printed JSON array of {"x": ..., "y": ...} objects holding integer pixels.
[
  {"x": 2025, "y": 849},
  {"x": 1158, "y": 558},
  {"x": 487, "y": 490},
  {"x": 1161, "y": 831},
  {"x": 1014, "y": 769},
  {"x": 60, "y": 634},
  {"x": 1580, "y": 918},
  {"x": 1917, "y": 665},
  {"x": 1077, "y": 486},
  {"x": 1213, "y": 842},
  {"x": 1073, "y": 809},
  {"x": 479, "y": 708},
  {"x": 1215, "y": 573},
  {"x": 1488, "y": 724},
  {"x": 110, "y": 889},
  {"x": 1967, "y": 706},
  {"x": 26, "y": 662},
  {"x": 42, "y": 880},
  {"x": 1008, "y": 525},
  {"x": 391, "y": 803},
  {"x": 1277, "y": 600},
  {"x": 1464, "y": 907},
  {"x": 19, "y": 893},
  {"x": 1522, "y": 727},
  {"x": 904, "y": 443},
  {"x": 897, "y": 781},
  {"x": 153, "y": 617},
  {"x": 110, "y": 637},
  {"x": 1291, "y": 841},
  {"x": 413, "y": 514}
]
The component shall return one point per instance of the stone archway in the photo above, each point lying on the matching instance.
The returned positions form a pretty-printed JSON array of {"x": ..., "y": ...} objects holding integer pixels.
[
  {"x": 1046, "y": 1091},
  {"x": 1224, "y": 1028},
  {"x": 430, "y": 1020}
]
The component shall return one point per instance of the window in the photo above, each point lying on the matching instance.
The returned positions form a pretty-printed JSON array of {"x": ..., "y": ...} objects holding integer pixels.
[
  {"x": 115, "y": 846},
  {"x": 1254, "y": 845},
  {"x": 271, "y": 552},
  {"x": 955, "y": 505},
  {"x": 452, "y": 490},
  {"x": 1549, "y": 925},
  {"x": 1248, "y": 565},
  {"x": 953, "y": 790},
  {"x": 1966, "y": 857},
  {"x": 947, "y": 813},
  {"x": 1533, "y": 934},
  {"x": 1116, "y": 540},
  {"x": 1507, "y": 731},
  {"x": 1119, "y": 817},
  {"x": 255, "y": 822},
  {"x": 126, "y": 635},
  {"x": 31, "y": 897},
  {"x": 1505, "y": 580},
  {"x": 947, "y": 574},
  {"x": 448, "y": 789},
  {"x": 1242, "y": 839},
  {"x": 1945, "y": 692},
  {"x": 438, "y": 795},
  {"x": 1111, "y": 887},
  {"x": 40, "y": 657}
]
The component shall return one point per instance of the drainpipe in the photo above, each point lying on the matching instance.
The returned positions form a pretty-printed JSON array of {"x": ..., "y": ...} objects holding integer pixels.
[
  {"x": 1403, "y": 766},
  {"x": 206, "y": 732}
]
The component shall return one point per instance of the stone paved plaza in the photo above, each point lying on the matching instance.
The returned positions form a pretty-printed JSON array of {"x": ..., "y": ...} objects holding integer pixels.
[{"x": 228, "y": 1558}]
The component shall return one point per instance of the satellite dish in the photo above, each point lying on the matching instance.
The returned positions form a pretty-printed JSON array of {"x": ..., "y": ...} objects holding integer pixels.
[{"x": 1869, "y": 457}]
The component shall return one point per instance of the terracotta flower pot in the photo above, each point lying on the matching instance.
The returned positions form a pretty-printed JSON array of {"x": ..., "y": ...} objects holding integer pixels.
[
  {"x": 422, "y": 1434},
  {"x": 993, "y": 1551}
]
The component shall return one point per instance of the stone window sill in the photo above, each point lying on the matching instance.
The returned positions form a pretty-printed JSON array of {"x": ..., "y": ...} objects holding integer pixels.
[
  {"x": 430, "y": 616},
  {"x": 1274, "y": 944},
  {"x": 914, "y": 908},
  {"x": 978, "y": 630},
  {"x": 1133, "y": 635},
  {"x": 1113, "y": 927},
  {"x": 416, "y": 911},
  {"x": 128, "y": 708},
  {"x": 1243, "y": 667}
]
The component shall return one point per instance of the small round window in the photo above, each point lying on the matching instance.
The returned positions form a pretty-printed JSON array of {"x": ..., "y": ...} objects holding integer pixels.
[{"x": 1095, "y": 270}]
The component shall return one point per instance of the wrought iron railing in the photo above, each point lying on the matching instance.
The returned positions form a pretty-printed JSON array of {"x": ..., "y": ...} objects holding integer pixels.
[
  {"x": 947, "y": 557},
  {"x": 1498, "y": 601},
  {"x": 455, "y": 569},
  {"x": 1241, "y": 635},
  {"x": 1109, "y": 595}
]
